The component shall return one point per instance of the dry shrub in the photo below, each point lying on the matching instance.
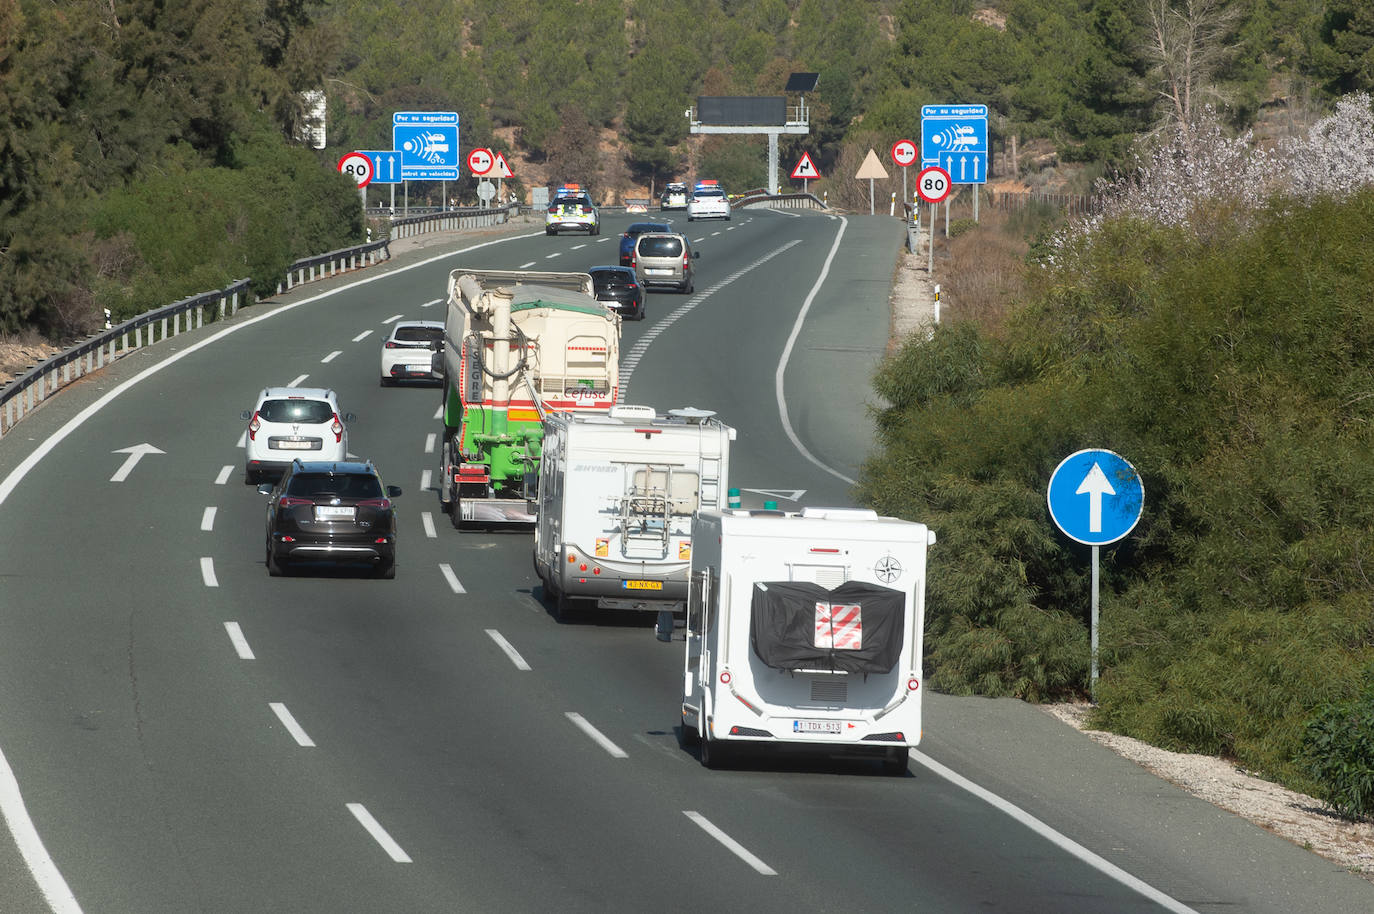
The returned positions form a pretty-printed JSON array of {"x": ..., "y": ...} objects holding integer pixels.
[{"x": 985, "y": 270}]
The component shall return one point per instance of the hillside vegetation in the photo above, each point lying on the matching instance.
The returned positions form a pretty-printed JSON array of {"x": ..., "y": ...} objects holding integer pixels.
[
  {"x": 125, "y": 125},
  {"x": 1213, "y": 327}
]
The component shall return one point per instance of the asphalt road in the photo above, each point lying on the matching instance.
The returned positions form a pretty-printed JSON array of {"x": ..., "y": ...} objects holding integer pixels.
[{"x": 188, "y": 734}]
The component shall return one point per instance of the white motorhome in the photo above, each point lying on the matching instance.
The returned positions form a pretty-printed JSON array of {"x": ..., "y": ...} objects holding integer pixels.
[
  {"x": 805, "y": 628},
  {"x": 616, "y": 497}
]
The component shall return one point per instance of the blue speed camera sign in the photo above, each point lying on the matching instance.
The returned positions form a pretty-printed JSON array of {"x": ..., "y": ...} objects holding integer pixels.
[{"x": 1095, "y": 497}]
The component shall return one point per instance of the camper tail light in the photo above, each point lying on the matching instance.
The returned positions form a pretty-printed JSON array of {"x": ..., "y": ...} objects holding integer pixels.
[
  {"x": 724, "y": 677},
  {"x": 827, "y": 550},
  {"x": 913, "y": 684}
]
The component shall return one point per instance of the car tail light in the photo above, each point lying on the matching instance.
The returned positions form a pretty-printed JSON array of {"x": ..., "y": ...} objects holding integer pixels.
[
  {"x": 253, "y": 427},
  {"x": 383, "y": 504},
  {"x": 686, "y": 260},
  {"x": 293, "y": 501},
  {"x": 553, "y": 209},
  {"x": 337, "y": 428},
  {"x": 392, "y": 344}
]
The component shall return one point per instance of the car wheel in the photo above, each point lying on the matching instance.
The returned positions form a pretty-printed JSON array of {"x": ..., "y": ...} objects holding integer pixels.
[
  {"x": 713, "y": 753},
  {"x": 251, "y": 477},
  {"x": 386, "y": 382},
  {"x": 386, "y": 571},
  {"x": 640, "y": 316},
  {"x": 274, "y": 567},
  {"x": 548, "y": 231}
]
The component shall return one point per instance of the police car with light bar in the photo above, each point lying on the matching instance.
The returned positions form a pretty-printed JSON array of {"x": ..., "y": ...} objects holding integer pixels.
[
  {"x": 708, "y": 202},
  {"x": 572, "y": 210}
]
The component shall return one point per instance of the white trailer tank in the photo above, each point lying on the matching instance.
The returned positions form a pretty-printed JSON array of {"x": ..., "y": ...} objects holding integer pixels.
[
  {"x": 805, "y": 629},
  {"x": 616, "y": 497}
]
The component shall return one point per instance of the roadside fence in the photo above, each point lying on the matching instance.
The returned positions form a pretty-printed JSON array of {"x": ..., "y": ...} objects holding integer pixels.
[{"x": 21, "y": 396}]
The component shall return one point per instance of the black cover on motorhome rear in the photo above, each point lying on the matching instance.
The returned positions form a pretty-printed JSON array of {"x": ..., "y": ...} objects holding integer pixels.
[{"x": 784, "y": 622}]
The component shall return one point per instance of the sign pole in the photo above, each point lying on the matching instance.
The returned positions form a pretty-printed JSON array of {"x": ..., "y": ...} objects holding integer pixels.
[
  {"x": 930, "y": 265},
  {"x": 904, "y": 195},
  {"x": 870, "y": 196},
  {"x": 1093, "y": 684},
  {"x": 975, "y": 203}
]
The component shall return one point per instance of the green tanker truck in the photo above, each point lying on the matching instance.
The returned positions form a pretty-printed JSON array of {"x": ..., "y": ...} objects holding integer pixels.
[{"x": 518, "y": 344}]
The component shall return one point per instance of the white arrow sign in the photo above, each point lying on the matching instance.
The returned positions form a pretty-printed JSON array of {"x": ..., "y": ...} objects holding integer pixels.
[
  {"x": 1095, "y": 485},
  {"x": 136, "y": 453}
]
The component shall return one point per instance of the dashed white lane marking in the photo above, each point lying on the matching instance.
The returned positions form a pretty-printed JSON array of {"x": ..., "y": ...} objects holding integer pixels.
[
  {"x": 297, "y": 381},
  {"x": 427, "y": 520},
  {"x": 439, "y": 413},
  {"x": 426, "y": 477},
  {"x": 553, "y": 255},
  {"x": 714, "y": 234},
  {"x": 45, "y": 873},
  {"x": 525, "y": 266},
  {"x": 431, "y": 304},
  {"x": 1040, "y": 828},
  {"x": 600, "y": 738},
  {"x": 240, "y": 643},
  {"x": 632, "y": 358},
  {"x": 430, "y": 440},
  {"x": 362, "y": 336},
  {"x": 374, "y": 828},
  {"x": 578, "y": 247},
  {"x": 332, "y": 356},
  {"x": 243, "y": 439},
  {"x": 207, "y": 571},
  {"x": 454, "y": 584},
  {"x": 509, "y": 649},
  {"x": 698, "y": 240},
  {"x": 602, "y": 240},
  {"x": 224, "y": 471},
  {"x": 207, "y": 520},
  {"x": 734, "y": 846},
  {"x": 393, "y": 319},
  {"x": 289, "y": 722}
]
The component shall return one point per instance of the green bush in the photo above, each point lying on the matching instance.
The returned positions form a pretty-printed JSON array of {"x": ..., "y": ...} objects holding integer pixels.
[
  {"x": 960, "y": 226},
  {"x": 1338, "y": 754}
]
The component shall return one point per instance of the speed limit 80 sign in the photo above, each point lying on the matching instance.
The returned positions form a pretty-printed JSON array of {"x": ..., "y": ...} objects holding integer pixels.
[
  {"x": 933, "y": 184},
  {"x": 358, "y": 167}
]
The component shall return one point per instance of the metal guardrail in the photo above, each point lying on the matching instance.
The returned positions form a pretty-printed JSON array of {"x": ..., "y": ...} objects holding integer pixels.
[
  {"x": 23, "y": 395},
  {"x": 324, "y": 265},
  {"x": 787, "y": 201},
  {"x": 450, "y": 220}
]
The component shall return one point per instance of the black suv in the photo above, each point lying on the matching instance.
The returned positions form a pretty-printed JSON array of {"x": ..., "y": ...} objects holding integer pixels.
[{"x": 333, "y": 512}]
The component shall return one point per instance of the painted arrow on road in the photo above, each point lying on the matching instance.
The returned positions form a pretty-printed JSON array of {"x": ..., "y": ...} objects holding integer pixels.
[{"x": 136, "y": 453}]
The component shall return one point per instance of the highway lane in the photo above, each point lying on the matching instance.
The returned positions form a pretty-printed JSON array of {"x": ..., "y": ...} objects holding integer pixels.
[{"x": 163, "y": 780}]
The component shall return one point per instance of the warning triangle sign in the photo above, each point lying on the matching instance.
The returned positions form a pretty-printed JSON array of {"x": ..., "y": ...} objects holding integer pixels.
[
  {"x": 805, "y": 168},
  {"x": 871, "y": 168},
  {"x": 499, "y": 168}
]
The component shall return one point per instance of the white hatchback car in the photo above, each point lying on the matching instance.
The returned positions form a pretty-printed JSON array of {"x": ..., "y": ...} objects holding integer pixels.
[
  {"x": 291, "y": 422},
  {"x": 408, "y": 353}
]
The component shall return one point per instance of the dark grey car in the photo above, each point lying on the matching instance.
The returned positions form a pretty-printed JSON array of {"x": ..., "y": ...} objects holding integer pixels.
[{"x": 331, "y": 511}]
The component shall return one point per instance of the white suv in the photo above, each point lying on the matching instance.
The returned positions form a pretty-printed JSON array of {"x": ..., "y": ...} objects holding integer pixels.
[{"x": 291, "y": 422}]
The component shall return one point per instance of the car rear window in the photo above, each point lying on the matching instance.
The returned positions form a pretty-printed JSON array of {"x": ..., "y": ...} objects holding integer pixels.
[
  {"x": 419, "y": 334},
  {"x": 639, "y": 228},
  {"x": 303, "y": 411},
  {"x": 709, "y": 193},
  {"x": 606, "y": 279},
  {"x": 659, "y": 247},
  {"x": 343, "y": 485}
]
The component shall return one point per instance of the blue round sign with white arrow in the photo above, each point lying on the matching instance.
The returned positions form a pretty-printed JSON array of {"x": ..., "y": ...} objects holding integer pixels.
[{"x": 1096, "y": 497}]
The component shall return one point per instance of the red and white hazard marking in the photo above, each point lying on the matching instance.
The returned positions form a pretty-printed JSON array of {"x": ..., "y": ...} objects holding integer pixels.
[{"x": 839, "y": 626}]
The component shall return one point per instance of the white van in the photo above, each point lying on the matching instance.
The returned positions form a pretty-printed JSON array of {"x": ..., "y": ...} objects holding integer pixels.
[
  {"x": 805, "y": 629},
  {"x": 616, "y": 498}
]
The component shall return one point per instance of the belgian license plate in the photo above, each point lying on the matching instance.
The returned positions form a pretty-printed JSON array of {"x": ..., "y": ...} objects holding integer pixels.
[
  {"x": 288, "y": 444},
  {"x": 816, "y": 726},
  {"x": 323, "y": 512},
  {"x": 643, "y": 585}
]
